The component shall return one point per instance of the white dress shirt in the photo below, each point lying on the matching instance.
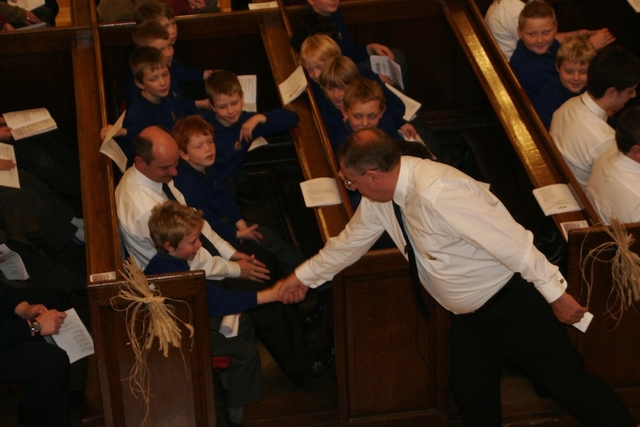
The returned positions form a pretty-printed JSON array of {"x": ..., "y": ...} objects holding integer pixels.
[
  {"x": 467, "y": 245},
  {"x": 502, "y": 20},
  {"x": 580, "y": 131},
  {"x": 136, "y": 195},
  {"x": 614, "y": 187}
]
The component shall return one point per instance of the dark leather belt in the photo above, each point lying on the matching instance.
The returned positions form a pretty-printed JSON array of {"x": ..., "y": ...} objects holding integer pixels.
[{"x": 515, "y": 278}]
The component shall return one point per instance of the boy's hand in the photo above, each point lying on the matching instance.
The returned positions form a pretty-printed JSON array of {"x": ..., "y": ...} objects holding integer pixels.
[
  {"x": 601, "y": 38},
  {"x": 246, "y": 132},
  {"x": 409, "y": 131},
  {"x": 291, "y": 289},
  {"x": 6, "y": 164},
  {"x": 196, "y": 4},
  {"x": 5, "y": 134},
  {"x": 249, "y": 233},
  {"x": 379, "y": 49},
  {"x": 252, "y": 271},
  {"x": 386, "y": 79},
  {"x": 104, "y": 130}
]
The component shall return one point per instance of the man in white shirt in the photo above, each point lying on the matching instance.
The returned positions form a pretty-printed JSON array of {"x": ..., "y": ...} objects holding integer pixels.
[
  {"x": 614, "y": 184},
  {"x": 579, "y": 127},
  {"x": 502, "y": 20},
  {"x": 467, "y": 249}
]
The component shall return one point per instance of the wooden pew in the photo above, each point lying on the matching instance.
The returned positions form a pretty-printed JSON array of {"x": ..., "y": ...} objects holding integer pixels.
[
  {"x": 377, "y": 322},
  {"x": 180, "y": 385},
  {"x": 605, "y": 341}
]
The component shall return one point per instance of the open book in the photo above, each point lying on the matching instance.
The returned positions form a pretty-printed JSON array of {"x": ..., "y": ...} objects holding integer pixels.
[
  {"x": 9, "y": 178},
  {"x": 110, "y": 147},
  {"x": 384, "y": 65},
  {"x": 31, "y": 122}
]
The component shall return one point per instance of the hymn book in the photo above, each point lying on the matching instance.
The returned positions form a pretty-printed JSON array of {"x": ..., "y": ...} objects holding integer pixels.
[
  {"x": 28, "y": 123},
  {"x": 381, "y": 64}
]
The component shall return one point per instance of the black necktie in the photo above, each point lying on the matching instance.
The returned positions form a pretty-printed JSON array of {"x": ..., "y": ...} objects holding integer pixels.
[
  {"x": 413, "y": 267},
  {"x": 206, "y": 243}
]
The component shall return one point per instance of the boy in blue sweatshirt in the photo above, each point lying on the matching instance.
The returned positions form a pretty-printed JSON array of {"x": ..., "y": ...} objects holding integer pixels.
[
  {"x": 175, "y": 231},
  {"x": 235, "y": 129},
  {"x": 198, "y": 180}
]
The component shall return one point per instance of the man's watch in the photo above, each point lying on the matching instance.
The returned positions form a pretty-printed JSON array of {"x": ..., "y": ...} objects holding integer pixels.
[{"x": 35, "y": 328}]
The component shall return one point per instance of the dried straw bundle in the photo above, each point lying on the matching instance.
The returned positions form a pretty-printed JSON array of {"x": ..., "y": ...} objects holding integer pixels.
[
  {"x": 625, "y": 269},
  {"x": 147, "y": 317}
]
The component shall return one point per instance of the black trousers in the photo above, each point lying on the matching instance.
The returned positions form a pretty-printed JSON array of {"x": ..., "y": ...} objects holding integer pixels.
[{"x": 519, "y": 327}]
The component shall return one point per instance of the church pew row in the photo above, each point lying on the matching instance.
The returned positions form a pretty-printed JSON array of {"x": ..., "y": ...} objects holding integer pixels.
[{"x": 607, "y": 340}]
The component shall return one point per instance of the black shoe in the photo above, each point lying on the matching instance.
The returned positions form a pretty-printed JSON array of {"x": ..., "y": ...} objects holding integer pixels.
[
  {"x": 315, "y": 318},
  {"x": 320, "y": 370}
]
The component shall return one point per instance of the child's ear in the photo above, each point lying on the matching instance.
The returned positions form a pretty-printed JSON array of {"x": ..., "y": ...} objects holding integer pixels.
[
  {"x": 384, "y": 108},
  {"x": 343, "y": 110},
  {"x": 139, "y": 84},
  {"x": 211, "y": 106},
  {"x": 184, "y": 156},
  {"x": 168, "y": 248}
]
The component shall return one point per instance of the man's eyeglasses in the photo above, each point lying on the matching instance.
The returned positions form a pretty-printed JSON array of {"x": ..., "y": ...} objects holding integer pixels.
[{"x": 348, "y": 183}]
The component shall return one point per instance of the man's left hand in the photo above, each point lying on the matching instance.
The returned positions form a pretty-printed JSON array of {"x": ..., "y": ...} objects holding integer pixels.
[{"x": 567, "y": 309}]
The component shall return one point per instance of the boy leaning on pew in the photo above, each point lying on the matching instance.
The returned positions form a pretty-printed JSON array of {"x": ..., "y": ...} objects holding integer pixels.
[
  {"x": 175, "y": 231},
  {"x": 234, "y": 128}
]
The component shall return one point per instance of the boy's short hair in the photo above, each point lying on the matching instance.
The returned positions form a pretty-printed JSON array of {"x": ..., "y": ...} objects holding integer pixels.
[
  {"x": 628, "y": 129},
  {"x": 320, "y": 47},
  {"x": 536, "y": 9},
  {"x": 338, "y": 71},
  {"x": 222, "y": 82},
  {"x": 187, "y": 127},
  {"x": 171, "y": 221},
  {"x": 575, "y": 48},
  {"x": 363, "y": 90},
  {"x": 154, "y": 11},
  {"x": 145, "y": 58},
  {"x": 613, "y": 66},
  {"x": 147, "y": 32}
]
